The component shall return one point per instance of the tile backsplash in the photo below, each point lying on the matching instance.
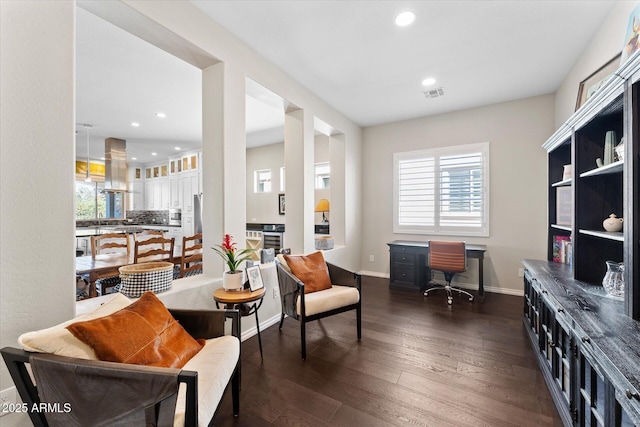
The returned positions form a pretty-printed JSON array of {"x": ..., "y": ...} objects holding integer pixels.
[
  {"x": 148, "y": 217},
  {"x": 133, "y": 218}
]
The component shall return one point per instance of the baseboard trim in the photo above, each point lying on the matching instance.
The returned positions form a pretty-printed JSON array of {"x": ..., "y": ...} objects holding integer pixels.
[
  {"x": 471, "y": 286},
  {"x": 263, "y": 325}
]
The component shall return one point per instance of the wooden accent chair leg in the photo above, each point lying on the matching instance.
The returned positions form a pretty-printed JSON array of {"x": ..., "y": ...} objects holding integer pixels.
[{"x": 281, "y": 320}]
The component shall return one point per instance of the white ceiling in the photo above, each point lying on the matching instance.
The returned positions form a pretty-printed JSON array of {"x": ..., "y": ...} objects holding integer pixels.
[{"x": 349, "y": 53}]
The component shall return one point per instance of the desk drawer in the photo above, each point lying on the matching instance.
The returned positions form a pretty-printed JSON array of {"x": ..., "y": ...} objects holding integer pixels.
[
  {"x": 403, "y": 273},
  {"x": 403, "y": 257}
]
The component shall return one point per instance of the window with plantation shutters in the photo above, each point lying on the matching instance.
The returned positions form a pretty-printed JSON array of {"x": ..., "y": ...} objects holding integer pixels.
[{"x": 442, "y": 191}]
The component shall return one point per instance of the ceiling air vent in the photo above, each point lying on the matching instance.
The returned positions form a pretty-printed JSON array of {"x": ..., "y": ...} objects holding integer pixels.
[{"x": 434, "y": 93}]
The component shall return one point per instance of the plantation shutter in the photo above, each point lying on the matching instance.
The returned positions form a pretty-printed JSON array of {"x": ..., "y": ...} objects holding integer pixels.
[{"x": 442, "y": 190}]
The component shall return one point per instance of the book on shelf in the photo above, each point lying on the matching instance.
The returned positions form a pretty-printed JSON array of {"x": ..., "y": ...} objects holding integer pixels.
[{"x": 562, "y": 249}]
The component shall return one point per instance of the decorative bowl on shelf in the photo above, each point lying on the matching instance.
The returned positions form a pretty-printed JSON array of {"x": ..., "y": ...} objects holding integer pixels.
[{"x": 613, "y": 223}]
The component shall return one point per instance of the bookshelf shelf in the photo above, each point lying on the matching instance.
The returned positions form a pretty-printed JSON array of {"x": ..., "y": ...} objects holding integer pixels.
[
  {"x": 617, "y": 236},
  {"x": 563, "y": 183},
  {"x": 561, "y": 227},
  {"x": 615, "y": 167}
]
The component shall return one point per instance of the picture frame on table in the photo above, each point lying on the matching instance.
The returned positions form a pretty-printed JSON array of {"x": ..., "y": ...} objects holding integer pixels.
[
  {"x": 255, "y": 278},
  {"x": 281, "y": 203},
  {"x": 595, "y": 81}
]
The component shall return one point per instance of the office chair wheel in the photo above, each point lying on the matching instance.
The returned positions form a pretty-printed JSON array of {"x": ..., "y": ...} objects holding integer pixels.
[
  {"x": 470, "y": 298},
  {"x": 449, "y": 300}
]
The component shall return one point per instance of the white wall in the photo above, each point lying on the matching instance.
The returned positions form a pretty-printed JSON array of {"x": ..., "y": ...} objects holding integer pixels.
[
  {"x": 263, "y": 207},
  {"x": 186, "y": 21},
  {"x": 515, "y": 130},
  {"x": 606, "y": 44},
  {"x": 37, "y": 261},
  {"x": 37, "y": 154}
]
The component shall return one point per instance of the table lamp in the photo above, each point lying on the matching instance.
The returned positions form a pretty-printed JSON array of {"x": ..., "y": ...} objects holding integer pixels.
[{"x": 323, "y": 206}]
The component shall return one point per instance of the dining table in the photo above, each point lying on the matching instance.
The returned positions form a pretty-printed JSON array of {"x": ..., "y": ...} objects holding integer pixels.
[{"x": 106, "y": 265}]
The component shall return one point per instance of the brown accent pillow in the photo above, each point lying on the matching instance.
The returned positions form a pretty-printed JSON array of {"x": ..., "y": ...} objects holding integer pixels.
[
  {"x": 311, "y": 270},
  {"x": 143, "y": 333}
]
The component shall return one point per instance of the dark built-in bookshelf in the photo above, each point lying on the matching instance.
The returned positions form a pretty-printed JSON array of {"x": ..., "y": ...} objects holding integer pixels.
[{"x": 587, "y": 342}]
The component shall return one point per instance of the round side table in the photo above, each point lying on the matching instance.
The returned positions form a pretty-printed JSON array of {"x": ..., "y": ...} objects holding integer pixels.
[{"x": 238, "y": 299}]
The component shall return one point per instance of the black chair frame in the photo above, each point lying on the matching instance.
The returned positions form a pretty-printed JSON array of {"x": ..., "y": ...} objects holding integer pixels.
[
  {"x": 291, "y": 287},
  {"x": 17, "y": 360}
]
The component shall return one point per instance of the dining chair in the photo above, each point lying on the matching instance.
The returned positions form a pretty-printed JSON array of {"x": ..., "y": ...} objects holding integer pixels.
[
  {"x": 191, "y": 262},
  {"x": 153, "y": 249},
  {"x": 449, "y": 258},
  {"x": 109, "y": 243}
]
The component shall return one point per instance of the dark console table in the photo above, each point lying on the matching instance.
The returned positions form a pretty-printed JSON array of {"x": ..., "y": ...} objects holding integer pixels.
[{"x": 408, "y": 264}]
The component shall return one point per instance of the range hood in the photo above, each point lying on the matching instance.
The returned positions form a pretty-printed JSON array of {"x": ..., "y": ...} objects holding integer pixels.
[{"x": 115, "y": 161}]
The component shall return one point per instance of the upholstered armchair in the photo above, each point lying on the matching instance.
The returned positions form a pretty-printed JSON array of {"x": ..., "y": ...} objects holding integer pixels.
[
  {"x": 85, "y": 391},
  {"x": 343, "y": 293}
]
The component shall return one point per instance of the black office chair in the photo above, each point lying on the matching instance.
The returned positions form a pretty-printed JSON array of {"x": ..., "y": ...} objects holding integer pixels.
[{"x": 449, "y": 258}]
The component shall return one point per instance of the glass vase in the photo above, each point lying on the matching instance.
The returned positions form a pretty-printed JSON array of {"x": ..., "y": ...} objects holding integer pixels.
[{"x": 613, "y": 281}]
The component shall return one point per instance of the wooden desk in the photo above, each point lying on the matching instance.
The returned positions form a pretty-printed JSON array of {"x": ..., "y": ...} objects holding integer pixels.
[
  {"x": 242, "y": 300},
  {"x": 408, "y": 264}
]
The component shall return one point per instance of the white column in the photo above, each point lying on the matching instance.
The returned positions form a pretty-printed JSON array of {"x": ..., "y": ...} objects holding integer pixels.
[
  {"x": 223, "y": 160},
  {"x": 37, "y": 157},
  {"x": 298, "y": 156},
  {"x": 338, "y": 188}
]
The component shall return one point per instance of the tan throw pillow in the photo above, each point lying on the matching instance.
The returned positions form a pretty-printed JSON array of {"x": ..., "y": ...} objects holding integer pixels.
[
  {"x": 311, "y": 270},
  {"x": 144, "y": 333}
]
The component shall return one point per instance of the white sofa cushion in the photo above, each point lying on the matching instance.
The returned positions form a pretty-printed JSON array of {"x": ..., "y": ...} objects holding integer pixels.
[
  {"x": 58, "y": 340},
  {"x": 215, "y": 364},
  {"x": 329, "y": 299}
]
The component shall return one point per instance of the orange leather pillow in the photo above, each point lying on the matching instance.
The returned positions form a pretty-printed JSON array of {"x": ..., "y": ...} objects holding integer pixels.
[
  {"x": 143, "y": 333},
  {"x": 311, "y": 270}
]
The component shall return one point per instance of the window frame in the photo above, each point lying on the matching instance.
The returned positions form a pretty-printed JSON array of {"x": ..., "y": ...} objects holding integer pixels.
[
  {"x": 437, "y": 154},
  {"x": 319, "y": 177},
  {"x": 256, "y": 181}
]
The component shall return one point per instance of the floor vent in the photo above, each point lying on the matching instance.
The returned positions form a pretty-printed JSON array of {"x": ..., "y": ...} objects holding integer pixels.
[{"x": 434, "y": 93}]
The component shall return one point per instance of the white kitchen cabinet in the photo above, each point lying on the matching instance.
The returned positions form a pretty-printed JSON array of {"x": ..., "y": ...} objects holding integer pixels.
[
  {"x": 176, "y": 192},
  {"x": 176, "y": 233},
  {"x": 187, "y": 225},
  {"x": 190, "y": 187},
  {"x": 157, "y": 194},
  {"x": 165, "y": 194},
  {"x": 149, "y": 195}
]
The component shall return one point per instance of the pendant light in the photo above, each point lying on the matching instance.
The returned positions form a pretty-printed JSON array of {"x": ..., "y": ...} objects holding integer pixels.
[{"x": 88, "y": 177}]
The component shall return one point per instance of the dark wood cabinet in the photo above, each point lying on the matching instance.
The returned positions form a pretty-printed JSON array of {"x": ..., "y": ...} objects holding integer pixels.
[
  {"x": 587, "y": 342},
  {"x": 407, "y": 266},
  {"x": 597, "y": 187},
  {"x": 587, "y": 349}
]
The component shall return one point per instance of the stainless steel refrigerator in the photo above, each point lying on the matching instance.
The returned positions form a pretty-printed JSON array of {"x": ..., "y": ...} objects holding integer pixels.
[{"x": 197, "y": 213}]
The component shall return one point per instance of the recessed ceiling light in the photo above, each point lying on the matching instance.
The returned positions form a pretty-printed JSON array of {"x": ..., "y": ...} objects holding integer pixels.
[
  {"x": 135, "y": 124},
  {"x": 161, "y": 115},
  {"x": 428, "y": 81},
  {"x": 177, "y": 148},
  {"x": 134, "y": 158},
  {"x": 405, "y": 18},
  {"x": 102, "y": 158},
  {"x": 154, "y": 154}
]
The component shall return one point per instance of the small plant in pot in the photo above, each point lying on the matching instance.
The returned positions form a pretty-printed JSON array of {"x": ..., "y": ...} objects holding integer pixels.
[{"x": 233, "y": 257}]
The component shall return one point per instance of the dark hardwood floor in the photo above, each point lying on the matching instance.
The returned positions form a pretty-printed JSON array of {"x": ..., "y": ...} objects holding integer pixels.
[{"x": 420, "y": 363}]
